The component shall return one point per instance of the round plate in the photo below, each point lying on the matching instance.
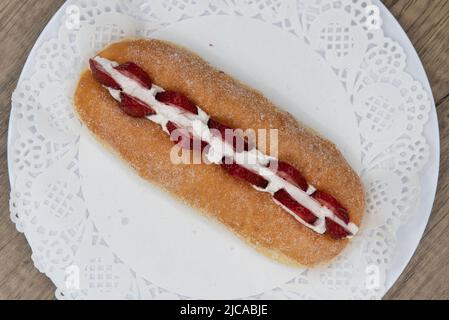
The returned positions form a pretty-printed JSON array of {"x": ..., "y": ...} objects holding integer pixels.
[{"x": 408, "y": 235}]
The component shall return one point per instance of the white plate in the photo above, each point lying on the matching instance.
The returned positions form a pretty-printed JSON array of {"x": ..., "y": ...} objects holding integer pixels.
[
  {"x": 410, "y": 233},
  {"x": 315, "y": 93}
]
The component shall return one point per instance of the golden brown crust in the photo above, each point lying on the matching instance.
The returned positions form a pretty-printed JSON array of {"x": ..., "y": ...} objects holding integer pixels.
[{"x": 250, "y": 214}]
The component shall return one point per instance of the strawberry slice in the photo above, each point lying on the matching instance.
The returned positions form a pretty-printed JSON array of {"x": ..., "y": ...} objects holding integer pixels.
[
  {"x": 286, "y": 199},
  {"x": 240, "y": 172},
  {"x": 133, "y": 71},
  {"x": 332, "y": 228},
  {"x": 335, "y": 230},
  {"x": 232, "y": 138},
  {"x": 134, "y": 107},
  {"x": 290, "y": 174},
  {"x": 183, "y": 138},
  {"x": 332, "y": 204},
  {"x": 102, "y": 76},
  {"x": 177, "y": 99}
]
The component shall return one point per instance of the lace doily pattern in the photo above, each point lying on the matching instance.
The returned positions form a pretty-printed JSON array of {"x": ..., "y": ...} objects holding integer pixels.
[{"x": 47, "y": 203}]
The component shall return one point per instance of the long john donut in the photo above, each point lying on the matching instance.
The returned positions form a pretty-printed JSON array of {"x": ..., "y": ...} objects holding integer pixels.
[{"x": 129, "y": 84}]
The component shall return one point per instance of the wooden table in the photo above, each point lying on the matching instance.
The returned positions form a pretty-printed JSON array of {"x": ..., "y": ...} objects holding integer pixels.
[{"x": 425, "y": 21}]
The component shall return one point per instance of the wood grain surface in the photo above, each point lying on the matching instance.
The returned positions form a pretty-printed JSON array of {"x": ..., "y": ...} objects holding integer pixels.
[{"x": 426, "y": 23}]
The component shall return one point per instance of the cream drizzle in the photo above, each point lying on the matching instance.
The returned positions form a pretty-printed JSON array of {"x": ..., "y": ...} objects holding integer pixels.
[{"x": 253, "y": 159}]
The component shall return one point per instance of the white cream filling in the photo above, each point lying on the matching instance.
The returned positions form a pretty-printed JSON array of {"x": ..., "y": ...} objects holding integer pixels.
[{"x": 252, "y": 159}]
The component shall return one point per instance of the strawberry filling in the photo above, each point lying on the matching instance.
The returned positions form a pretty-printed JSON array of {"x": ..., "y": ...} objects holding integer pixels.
[
  {"x": 332, "y": 204},
  {"x": 133, "y": 71},
  {"x": 336, "y": 231},
  {"x": 183, "y": 138},
  {"x": 286, "y": 199},
  {"x": 290, "y": 174},
  {"x": 238, "y": 143},
  {"x": 134, "y": 107},
  {"x": 177, "y": 99},
  {"x": 332, "y": 228},
  {"x": 102, "y": 76},
  {"x": 240, "y": 172}
]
